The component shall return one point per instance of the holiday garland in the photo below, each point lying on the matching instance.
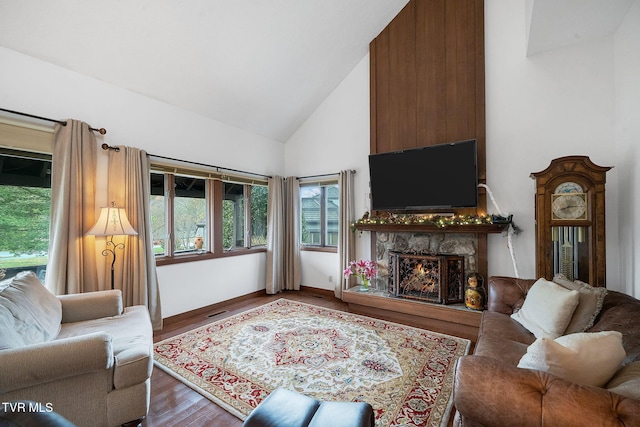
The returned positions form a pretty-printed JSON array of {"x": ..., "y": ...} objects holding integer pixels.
[{"x": 440, "y": 221}]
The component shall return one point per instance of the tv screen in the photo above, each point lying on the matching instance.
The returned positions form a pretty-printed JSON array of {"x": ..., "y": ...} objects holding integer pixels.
[{"x": 435, "y": 177}]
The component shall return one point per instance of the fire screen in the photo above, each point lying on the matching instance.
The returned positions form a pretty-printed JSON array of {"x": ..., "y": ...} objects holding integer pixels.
[{"x": 432, "y": 278}]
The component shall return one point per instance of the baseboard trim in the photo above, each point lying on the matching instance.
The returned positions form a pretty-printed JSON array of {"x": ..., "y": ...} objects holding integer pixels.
[{"x": 205, "y": 311}]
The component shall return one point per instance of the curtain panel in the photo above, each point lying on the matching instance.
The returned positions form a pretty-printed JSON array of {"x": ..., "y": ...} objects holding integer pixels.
[
  {"x": 292, "y": 267},
  {"x": 283, "y": 235},
  {"x": 275, "y": 235},
  {"x": 346, "y": 239},
  {"x": 135, "y": 271},
  {"x": 72, "y": 254}
]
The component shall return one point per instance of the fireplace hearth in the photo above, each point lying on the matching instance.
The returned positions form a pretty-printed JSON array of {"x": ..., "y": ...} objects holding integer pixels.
[{"x": 432, "y": 278}]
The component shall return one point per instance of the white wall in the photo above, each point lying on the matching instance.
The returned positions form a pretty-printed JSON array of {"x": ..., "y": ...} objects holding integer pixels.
[
  {"x": 549, "y": 105},
  {"x": 627, "y": 131},
  {"x": 37, "y": 87},
  {"x": 538, "y": 108},
  {"x": 334, "y": 138}
]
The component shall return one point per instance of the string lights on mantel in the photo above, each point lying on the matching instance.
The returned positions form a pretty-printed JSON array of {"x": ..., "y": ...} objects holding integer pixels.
[{"x": 439, "y": 221}]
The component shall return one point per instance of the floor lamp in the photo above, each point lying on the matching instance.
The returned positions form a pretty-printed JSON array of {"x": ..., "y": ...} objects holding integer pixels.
[{"x": 113, "y": 221}]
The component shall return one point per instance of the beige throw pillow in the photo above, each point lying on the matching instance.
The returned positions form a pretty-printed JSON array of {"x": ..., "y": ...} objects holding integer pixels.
[
  {"x": 547, "y": 309},
  {"x": 589, "y": 303},
  {"x": 29, "y": 313},
  {"x": 583, "y": 358}
]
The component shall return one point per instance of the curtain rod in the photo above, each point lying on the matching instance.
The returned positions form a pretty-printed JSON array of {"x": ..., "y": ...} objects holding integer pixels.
[
  {"x": 322, "y": 175},
  {"x": 101, "y": 131},
  {"x": 218, "y": 168}
]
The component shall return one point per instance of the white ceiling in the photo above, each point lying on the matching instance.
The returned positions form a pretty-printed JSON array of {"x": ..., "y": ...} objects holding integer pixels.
[
  {"x": 556, "y": 23},
  {"x": 260, "y": 65}
]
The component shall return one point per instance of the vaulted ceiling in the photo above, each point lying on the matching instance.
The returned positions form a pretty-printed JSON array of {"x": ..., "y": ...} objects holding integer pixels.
[{"x": 260, "y": 65}]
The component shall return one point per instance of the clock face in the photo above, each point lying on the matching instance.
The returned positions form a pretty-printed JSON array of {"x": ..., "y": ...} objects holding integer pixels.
[
  {"x": 569, "y": 206},
  {"x": 568, "y": 187}
]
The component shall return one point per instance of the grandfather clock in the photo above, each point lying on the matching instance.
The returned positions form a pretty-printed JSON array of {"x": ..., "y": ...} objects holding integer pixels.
[{"x": 570, "y": 220}]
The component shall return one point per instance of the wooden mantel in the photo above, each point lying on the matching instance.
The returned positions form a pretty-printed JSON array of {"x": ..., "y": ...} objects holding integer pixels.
[{"x": 430, "y": 228}]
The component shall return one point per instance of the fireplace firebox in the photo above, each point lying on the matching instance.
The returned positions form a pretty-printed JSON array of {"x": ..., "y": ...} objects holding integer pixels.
[{"x": 431, "y": 278}]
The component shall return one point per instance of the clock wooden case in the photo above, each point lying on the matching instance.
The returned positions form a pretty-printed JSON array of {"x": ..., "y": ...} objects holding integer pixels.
[{"x": 570, "y": 220}]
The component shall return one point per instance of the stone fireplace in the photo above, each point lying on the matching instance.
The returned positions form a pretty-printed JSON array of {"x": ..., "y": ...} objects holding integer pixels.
[{"x": 430, "y": 267}]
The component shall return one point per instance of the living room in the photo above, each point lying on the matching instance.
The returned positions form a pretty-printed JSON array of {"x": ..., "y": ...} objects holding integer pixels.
[{"x": 580, "y": 98}]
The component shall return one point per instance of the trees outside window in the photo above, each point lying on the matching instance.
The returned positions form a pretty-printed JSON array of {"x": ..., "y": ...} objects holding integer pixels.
[{"x": 25, "y": 212}]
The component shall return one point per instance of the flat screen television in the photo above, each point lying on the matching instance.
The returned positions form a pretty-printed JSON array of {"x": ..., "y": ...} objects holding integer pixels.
[{"x": 435, "y": 177}]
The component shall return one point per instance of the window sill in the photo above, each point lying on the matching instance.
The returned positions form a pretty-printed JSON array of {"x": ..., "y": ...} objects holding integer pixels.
[
  {"x": 160, "y": 261},
  {"x": 328, "y": 249}
]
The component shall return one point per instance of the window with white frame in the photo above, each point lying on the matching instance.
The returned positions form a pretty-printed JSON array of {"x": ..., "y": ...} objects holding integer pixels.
[{"x": 319, "y": 215}]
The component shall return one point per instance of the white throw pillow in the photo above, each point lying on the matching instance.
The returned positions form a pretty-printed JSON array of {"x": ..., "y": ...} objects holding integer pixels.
[
  {"x": 583, "y": 358},
  {"x": 547, "y": 309}
]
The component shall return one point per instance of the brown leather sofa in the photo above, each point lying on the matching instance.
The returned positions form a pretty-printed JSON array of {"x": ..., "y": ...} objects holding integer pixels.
[{"x": 490, "y": 390}]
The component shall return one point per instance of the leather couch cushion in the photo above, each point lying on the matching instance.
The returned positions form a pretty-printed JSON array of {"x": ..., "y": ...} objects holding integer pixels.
[
  {"x": 287, "y": 408},
  {"x": 626, "y": 381},
  {"x": 501, "y": 325},
  {"x": 547, "y": 309},
  {"x": 29, "y": 313}
]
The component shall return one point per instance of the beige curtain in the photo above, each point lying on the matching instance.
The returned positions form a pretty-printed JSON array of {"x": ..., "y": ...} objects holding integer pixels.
[
  {"x": 135, "y": 269},
  {"x": 346, "y": 245},
  {"x": 275, "y": 235},
  {"x": 72, "y": 266},
  {"x": 283, "y": 235},
  {"x": 292, "y": 268}
]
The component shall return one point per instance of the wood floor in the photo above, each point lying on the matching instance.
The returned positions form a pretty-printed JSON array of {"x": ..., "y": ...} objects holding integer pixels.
[{"x": 175, "y": 404}]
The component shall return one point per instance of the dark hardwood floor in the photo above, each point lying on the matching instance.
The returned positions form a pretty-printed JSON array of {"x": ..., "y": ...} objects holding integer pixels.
[{"x": 175, "y": 404}]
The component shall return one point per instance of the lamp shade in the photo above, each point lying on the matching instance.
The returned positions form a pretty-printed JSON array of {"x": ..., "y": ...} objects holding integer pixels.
[{"x": 112, "y": 222}]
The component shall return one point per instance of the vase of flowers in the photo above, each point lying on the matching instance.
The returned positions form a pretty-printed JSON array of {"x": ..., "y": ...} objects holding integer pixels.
[{"x": 364, "y": 269}]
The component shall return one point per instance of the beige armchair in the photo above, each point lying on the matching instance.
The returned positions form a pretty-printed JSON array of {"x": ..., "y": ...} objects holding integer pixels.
[{"x": 93, "y": 367}]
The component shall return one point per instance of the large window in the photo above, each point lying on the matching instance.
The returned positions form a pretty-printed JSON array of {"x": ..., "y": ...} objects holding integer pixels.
[
  {"x": 25, "y": 210},
  {"x": 193, "y": 216},
  {"x": 320, "y": 213}
]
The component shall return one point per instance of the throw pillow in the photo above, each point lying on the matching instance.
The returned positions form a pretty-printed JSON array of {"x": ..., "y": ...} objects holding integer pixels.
[
  {"x": 30, "y": 314},
  {"x": 583, "y": 358},
  {"x": 547, "y": 309},
  {"x": 626, "y": 381},
  {"x": 589, "y": 303}
]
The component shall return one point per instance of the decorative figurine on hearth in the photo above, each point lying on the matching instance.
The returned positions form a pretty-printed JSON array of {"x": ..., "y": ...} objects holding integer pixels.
[{"x": 475, "y": 296}]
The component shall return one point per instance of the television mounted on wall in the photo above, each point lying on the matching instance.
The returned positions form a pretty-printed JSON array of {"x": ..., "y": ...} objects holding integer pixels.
[{"x": 443, "y": 176}]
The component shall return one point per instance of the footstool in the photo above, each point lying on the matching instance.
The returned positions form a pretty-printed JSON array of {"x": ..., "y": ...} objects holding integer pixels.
[{"x": 286, "y": 408}]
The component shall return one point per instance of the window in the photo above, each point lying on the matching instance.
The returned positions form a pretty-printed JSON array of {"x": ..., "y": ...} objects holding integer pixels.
[
  {"x": 25, "y": 211},
  {"x": 193, "y": 215},
  {"x": 320, "y": 213},
  {"x": 233, "y": 216}
]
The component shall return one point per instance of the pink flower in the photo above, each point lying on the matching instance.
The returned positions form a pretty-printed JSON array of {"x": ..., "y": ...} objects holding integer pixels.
[
  {"x": 347, "y": 272},
  {"x": 365, "y": 269}
]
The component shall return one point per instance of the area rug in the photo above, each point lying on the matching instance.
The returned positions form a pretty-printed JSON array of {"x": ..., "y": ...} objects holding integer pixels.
[{"x": 405, "y": 373}]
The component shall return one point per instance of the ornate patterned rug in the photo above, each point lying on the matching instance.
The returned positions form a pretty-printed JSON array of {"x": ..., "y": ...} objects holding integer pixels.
[{"x": 405, "y": 373}]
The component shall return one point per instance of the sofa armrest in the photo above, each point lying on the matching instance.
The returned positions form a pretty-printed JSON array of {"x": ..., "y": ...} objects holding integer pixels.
[
  {"x": 490, "y": 394},
  {"x": 506, "y": 294},
  {"x": 51, "y": 361},
  {"x": 90, "y": 305}
]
